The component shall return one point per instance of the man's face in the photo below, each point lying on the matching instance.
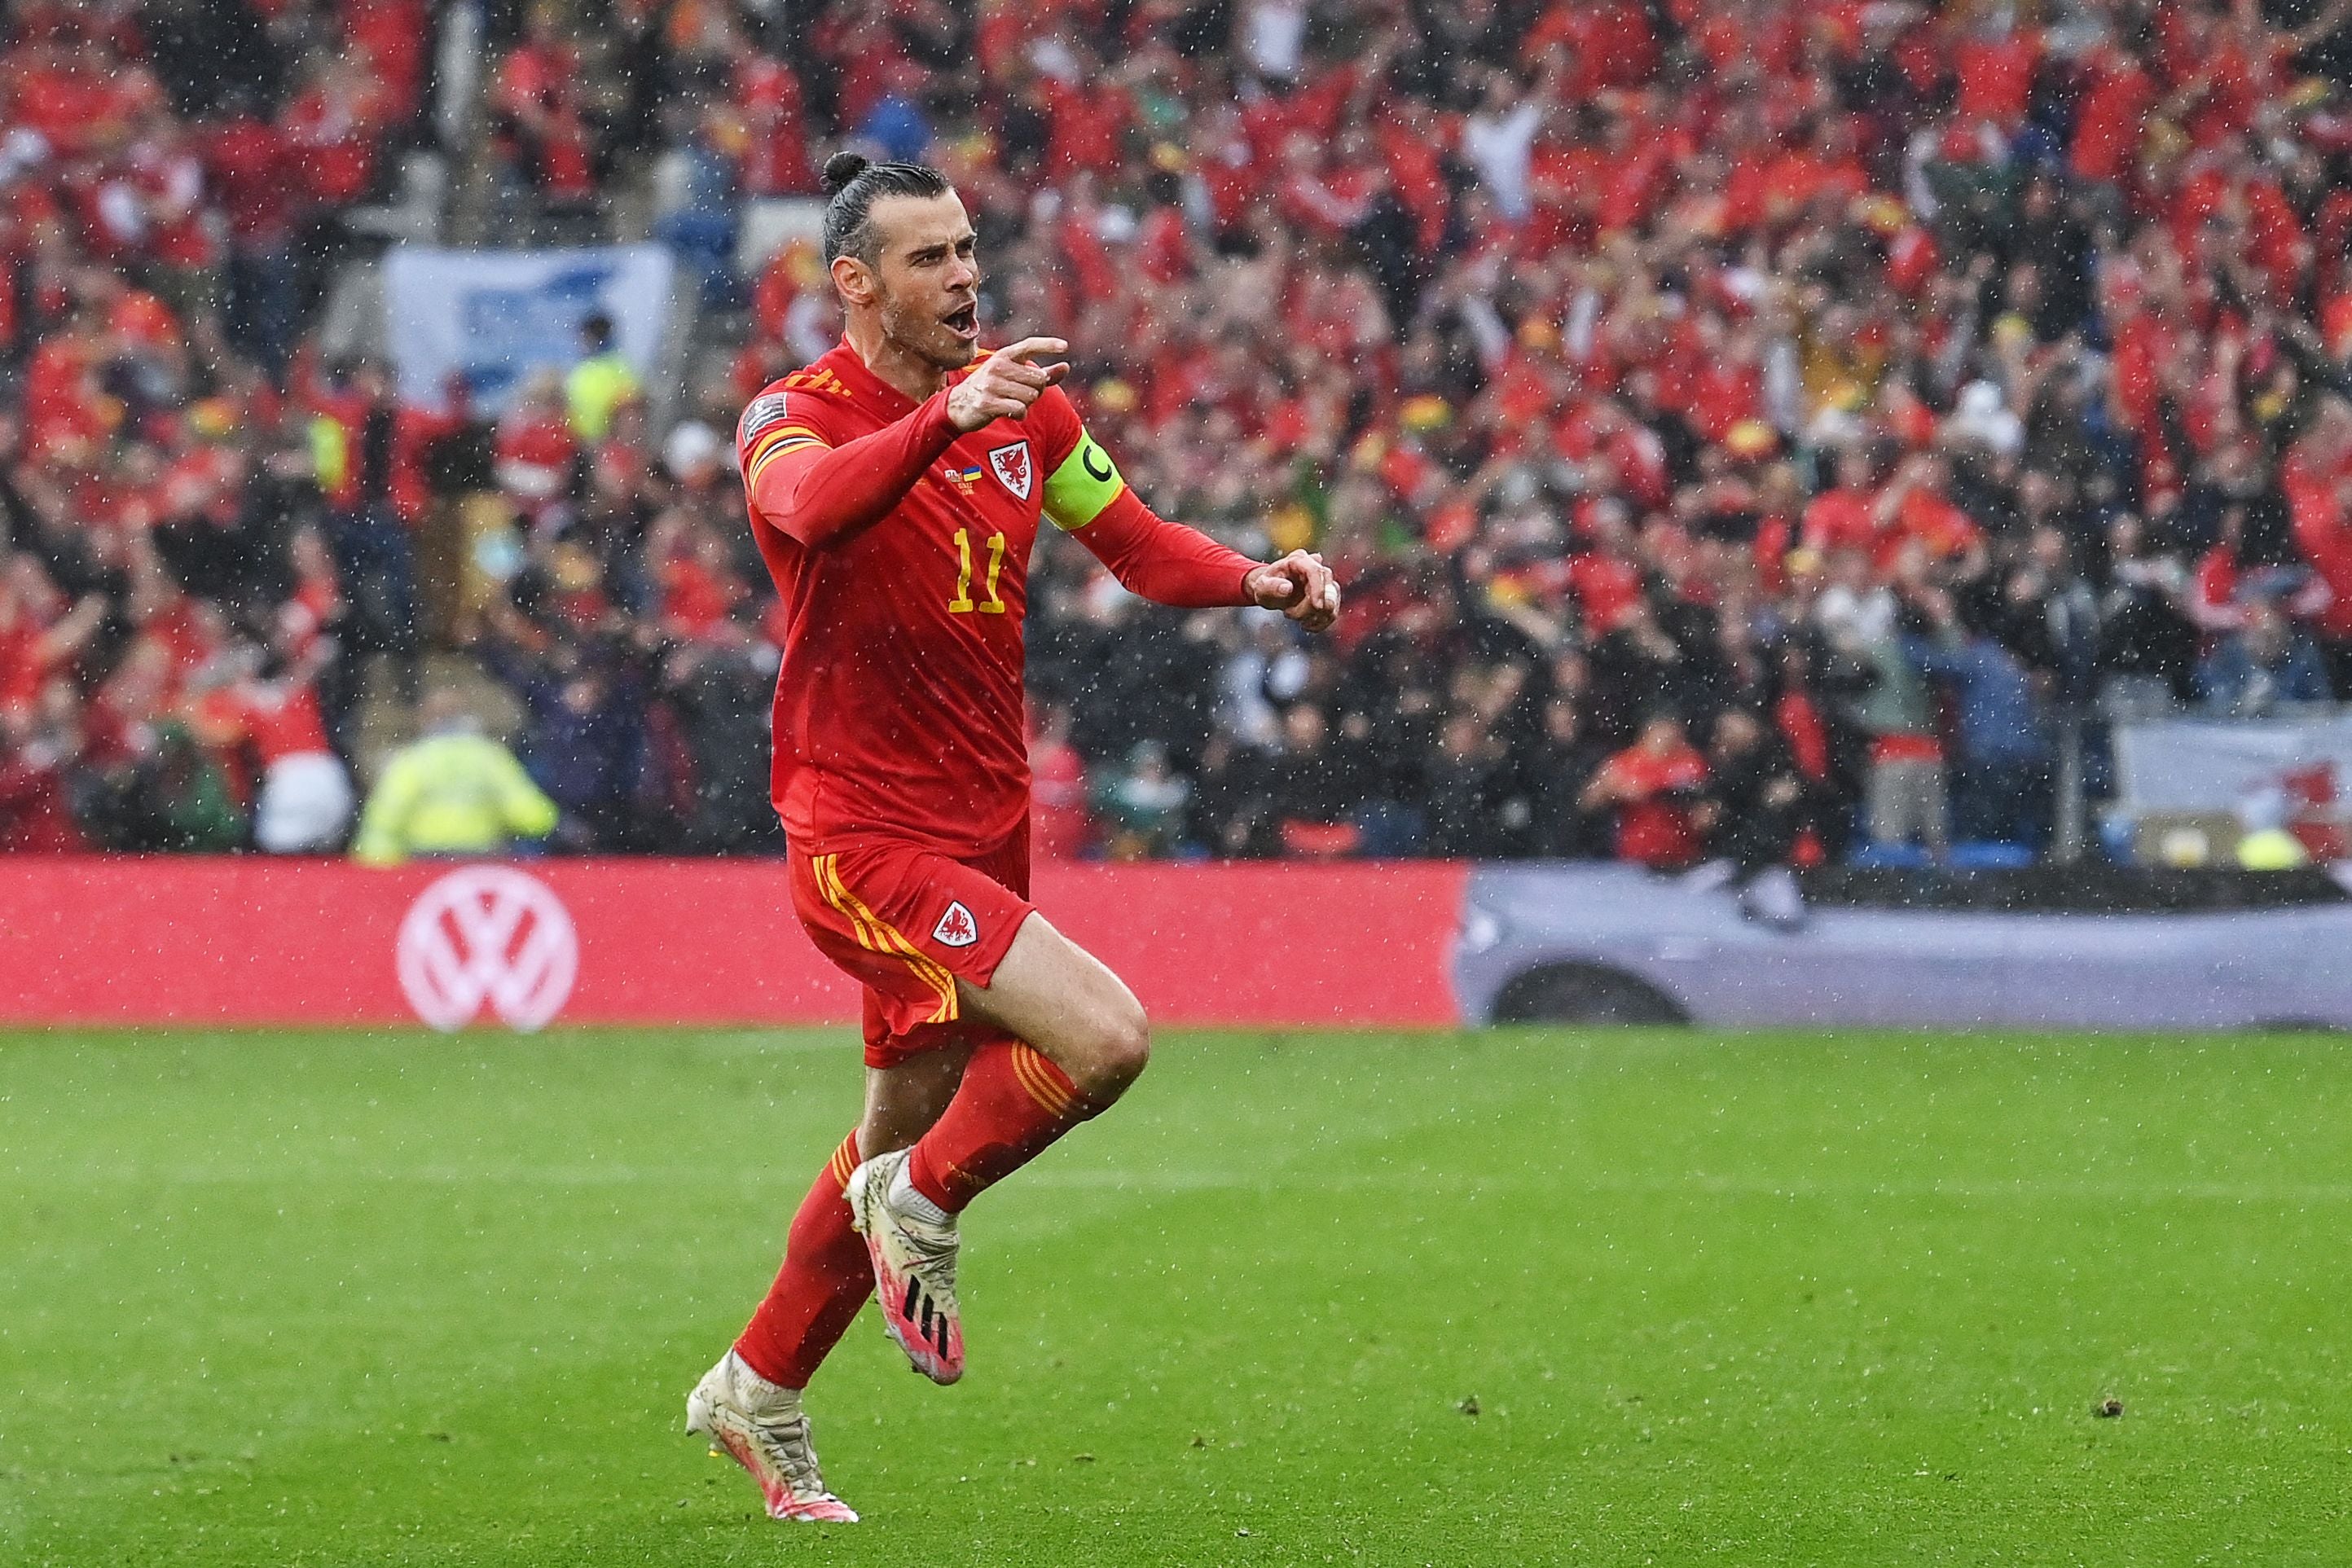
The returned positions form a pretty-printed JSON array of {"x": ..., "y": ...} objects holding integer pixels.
[{"x": 923, "y": 280}]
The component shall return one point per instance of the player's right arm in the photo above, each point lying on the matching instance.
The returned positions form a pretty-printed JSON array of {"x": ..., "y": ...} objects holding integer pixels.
[
  {"x": 822, "y": 495},
  {"x": 808, "y": 489}
]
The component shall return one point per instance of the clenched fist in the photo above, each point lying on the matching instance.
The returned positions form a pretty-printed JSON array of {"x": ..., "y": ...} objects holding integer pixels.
[{"x": 1300, "y": 586}]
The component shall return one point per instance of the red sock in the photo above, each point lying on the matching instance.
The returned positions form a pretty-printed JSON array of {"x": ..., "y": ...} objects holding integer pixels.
[
  {"x": 826, "y": 1277},
  {"x": 1011, "y": 1104}
]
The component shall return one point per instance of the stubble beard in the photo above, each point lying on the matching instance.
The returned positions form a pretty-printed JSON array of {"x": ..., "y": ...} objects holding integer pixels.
[{"x": 925, "y": 338}]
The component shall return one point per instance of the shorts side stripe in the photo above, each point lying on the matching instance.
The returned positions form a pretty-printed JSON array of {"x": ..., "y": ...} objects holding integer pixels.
[
  {"x": 883, "y": 937},
  {"x": 889, "y": 940},
  {"x": 933, "y": 975},
  {"x": 887, "y": 936},
  {"x": 875, "y": 935},
  {"x": 828, "y": 881},
  {"x": 821, "y": 867}
]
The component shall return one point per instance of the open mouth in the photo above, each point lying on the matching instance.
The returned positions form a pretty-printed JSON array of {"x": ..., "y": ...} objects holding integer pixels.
[{"x": 964, "y": 323}]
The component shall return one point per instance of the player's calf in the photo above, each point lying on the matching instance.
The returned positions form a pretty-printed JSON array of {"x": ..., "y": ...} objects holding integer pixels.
[{"x": 1011, "y": 1104}]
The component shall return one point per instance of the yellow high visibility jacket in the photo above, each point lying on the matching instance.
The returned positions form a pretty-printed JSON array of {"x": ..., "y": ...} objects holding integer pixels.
[
  {"x": 452, "y": 795},
  {"x": 595, "y": 390}
]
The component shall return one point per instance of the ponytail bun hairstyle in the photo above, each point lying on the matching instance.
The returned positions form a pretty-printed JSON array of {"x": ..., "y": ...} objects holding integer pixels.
[
  {"x": 841, "y": 169},
  {"x": 852, "y": 184}
]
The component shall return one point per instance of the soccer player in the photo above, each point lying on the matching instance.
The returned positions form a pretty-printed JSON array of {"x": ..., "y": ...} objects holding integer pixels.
[{"x": 895, "y": 488}]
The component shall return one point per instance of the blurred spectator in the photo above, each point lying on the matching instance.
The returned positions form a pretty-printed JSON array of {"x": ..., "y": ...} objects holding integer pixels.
[
  {"x": 364, "y": 450},
  {"x": 1564, "y": 764},
  {"x": 1758, "y": 793},
  {"x": 2001, "y": 791},
  {"x": 2265, "y": 661},
  {"x": 1060, "y": 826},
  {"x": 251, "y": 164},
  {"x": 699, "y": 221},
  {"x": 305, "y": 802},
  {"x": 542, "y": 138},
  {"x": 719, "y": 689},
  {"x": 1657, "y": 788},
  {"x": 1473, "y": 809},
  {"x": 583, "y": 741},
  {"x": 1313, "y": 787},
  {"x": 600, "y": 383},
  {"x": 1141, "y": 806},
  {"x": 1887, "y": 702},
  {"x": 39, "y": 777},
  {"x": 453, "y": 791}
]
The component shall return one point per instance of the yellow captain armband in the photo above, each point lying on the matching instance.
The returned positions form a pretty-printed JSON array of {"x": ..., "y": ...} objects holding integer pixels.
[{"x": 1086, "y": 482}]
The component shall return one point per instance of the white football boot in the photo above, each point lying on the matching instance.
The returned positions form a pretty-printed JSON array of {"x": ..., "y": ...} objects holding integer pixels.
[
  {"x": 914, "y": 1269},
  {"x": 758, "y": 1423}
]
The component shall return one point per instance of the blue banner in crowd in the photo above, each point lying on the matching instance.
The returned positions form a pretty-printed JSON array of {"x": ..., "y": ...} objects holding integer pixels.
[{"x": 496, "y": 316}]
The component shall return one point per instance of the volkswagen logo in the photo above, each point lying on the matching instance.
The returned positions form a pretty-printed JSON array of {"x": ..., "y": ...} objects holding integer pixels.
[{"x": 487, "y": 937}]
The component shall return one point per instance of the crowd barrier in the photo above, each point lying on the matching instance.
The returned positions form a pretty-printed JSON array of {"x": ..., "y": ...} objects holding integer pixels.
[{"x": 129, "y": 941}]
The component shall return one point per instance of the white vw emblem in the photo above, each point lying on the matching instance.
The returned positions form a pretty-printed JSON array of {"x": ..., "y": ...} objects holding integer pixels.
[{"x": 488, "y": 935}]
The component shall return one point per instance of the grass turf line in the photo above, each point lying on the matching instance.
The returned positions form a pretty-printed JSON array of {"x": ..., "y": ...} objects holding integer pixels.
[{"x": 296, "y": 1298}]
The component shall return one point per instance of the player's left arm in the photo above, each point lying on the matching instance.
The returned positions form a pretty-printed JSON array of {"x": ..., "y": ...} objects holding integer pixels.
[{"x": 1168, "y": 562}]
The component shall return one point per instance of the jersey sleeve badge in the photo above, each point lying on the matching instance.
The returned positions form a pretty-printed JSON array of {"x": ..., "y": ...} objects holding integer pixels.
[{"x": 769, "y": 427}]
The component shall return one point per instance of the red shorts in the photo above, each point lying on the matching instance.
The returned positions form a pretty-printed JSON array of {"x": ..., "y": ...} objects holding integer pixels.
[{"x": 908, "y": 922}]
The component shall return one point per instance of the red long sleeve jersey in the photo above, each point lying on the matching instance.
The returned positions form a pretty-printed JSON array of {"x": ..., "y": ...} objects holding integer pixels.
[{"x": 900, "y": 549}]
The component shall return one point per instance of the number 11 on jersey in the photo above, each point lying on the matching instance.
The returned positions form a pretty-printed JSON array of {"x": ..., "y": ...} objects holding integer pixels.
[{"x": 961, "y": 603}]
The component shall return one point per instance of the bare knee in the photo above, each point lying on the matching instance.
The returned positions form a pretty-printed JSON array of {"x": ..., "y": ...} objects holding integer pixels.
[
  {"x": 1059, "y": 998},
  {"x": 1117, "y": 1047}
]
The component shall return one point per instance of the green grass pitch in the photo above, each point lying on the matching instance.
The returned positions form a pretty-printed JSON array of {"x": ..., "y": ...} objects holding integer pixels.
[{"x": 1533, "y": 1297}]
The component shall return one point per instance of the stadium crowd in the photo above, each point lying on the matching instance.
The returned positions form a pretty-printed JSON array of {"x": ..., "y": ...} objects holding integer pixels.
[{"x": 1745, "y": 431}]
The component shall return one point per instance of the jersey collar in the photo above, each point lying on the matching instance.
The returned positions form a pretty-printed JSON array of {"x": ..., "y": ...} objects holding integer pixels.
[{"x": 852, "y": 369}]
